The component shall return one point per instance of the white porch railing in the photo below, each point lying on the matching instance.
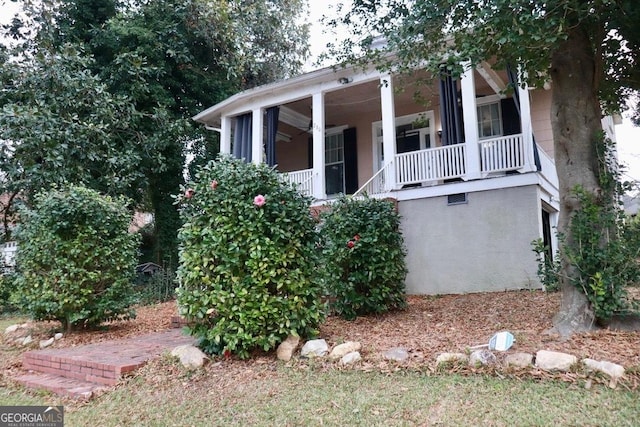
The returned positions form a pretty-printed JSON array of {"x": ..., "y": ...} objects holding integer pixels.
[
  {"x": 502, "y": 154},
  {"x": 375, "y": 185},
  {"x": 431, "y": 164},
  {"x": 302, "y": 179}
]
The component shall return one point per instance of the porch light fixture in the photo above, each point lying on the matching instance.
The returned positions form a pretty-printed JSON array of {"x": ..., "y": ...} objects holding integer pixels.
[
  {"x": 440, "y": 134},
  {"x": 345, "y": 80}
]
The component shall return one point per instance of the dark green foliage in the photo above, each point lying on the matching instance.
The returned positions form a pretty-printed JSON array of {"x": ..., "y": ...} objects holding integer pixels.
[
  {"x": 364, "y": 257},
  {"x": 248, "y": 272},
  {"x": 548, "y": 269},
  {"x": 604, "y": 247},
  {"x": 7, "y": 287},
  {"x": 76, "y": 260}
]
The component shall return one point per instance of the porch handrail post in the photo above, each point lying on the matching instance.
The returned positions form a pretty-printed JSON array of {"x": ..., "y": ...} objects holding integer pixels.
[
  {"x": 257, "y": 136},
  {"x": 525, "y": 124},
  {"x": 319, "y": 191},
  {"x": 470, "y": 117},
  {"x": 388, "y": 130},
  {"x": 225, "y": 135}
]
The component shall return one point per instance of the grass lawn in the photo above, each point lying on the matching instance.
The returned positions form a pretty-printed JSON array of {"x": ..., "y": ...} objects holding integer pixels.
[{"x": 271, "y": 394}]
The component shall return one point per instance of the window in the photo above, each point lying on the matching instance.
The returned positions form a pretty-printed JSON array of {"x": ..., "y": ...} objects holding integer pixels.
[
  {"x": 334, "y": 163},
  {"x": 489, "y": 120},
  {"x": 413, "y": 132}
]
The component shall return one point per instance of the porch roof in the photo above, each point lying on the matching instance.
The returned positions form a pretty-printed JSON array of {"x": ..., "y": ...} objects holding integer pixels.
[{"x": 292, "y": 89}]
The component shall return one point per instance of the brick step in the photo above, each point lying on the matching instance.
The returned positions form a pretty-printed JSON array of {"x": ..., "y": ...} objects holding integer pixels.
[
  {"x": 75, "y": 389},
  {"x": 92, "y": 366}
]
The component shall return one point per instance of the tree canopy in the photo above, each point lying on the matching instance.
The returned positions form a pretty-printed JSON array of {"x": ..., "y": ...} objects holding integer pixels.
[
  {"x": 587, "y": 51},
  {"x": 147, "y": 68}
]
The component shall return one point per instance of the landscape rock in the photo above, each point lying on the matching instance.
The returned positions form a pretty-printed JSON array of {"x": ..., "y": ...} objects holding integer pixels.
[
  {"x": 520, "y": 360},
  {"x": 351, "y": 358},
  {"x": 27, "y": 340},
  {"x": 396, "y": 354},
  {"x": 451, "y": 357},
  {"x": 191, "y": 357},
  {"x": 46, "y": 343},
  {"x": 554, "y": 360},
  {"x": 482, "y": 357},
  {"x": 287, "y": 348},
  {"x": 315, "y": 348},
  {"x": 613, "y": 370},
  {"x": 11, "y": 329},
  {"x": 58, "y": 336},
  {"x": 344, "y": 349}
]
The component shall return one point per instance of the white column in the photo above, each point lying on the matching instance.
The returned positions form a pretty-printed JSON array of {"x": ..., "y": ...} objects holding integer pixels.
[
  {"x": 470, "y": 117},
  {"x": 225, "y": 135},
  {"x": 527, "y": 131},
  {"x": 257, "y": 132},
  {"x": 319, "y": 184},
  {"x": 388, "y": 130}
]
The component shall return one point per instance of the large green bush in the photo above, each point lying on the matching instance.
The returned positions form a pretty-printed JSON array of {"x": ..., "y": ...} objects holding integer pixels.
[
  {"x": 247, "y": 271},
  {"x": 364, "y": 257},
  {"x": 76, "y": 260}
]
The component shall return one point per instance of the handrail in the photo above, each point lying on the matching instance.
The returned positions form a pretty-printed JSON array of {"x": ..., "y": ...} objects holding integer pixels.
[{"x": 368, "y": 187}]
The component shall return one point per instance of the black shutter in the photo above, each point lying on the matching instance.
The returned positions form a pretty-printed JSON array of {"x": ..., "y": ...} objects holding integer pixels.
[
  {"x": 510, "y": 117},
  {"x": 350, "y": 160}
]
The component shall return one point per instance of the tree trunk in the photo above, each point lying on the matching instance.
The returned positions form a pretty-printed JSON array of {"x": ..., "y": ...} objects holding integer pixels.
[{"x": 576, "y": 125}]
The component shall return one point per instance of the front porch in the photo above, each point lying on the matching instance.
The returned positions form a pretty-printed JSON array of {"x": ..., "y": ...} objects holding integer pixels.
[{"x": 347, "y": 132}]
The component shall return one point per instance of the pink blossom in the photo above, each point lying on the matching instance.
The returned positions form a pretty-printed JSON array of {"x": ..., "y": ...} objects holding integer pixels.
[
  {"x": 214, "y": 184},
  {"x": 356, "y": 237},
  {"x": 259, "y": 200},
  {"x": 351, "y": 244},
  {"x": 189, "y": 193}
]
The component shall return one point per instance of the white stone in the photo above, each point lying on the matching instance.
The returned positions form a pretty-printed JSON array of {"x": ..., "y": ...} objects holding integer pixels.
[
  {"x": 27, "y": 340},
  {"x": 345, "y": 348},
  {"x": 396, "y": 354},
  {"x": 315, "y": 348},
  {"x": 46, "y": 343},
  {"x": 351, "y": 358},
  {"x": 11, "y": 329},
  {"x": 482, "y": 357},
  {"x": 191, "y": 357},
  {"x": 554, "y": 360},
  {"x": 451, "y": 357},
  {"x": 58, "y": 336},
  {"x": 520, "y": 360},
  {"x": 287, "y": 347},
  {"x": 612, "y": 369}
]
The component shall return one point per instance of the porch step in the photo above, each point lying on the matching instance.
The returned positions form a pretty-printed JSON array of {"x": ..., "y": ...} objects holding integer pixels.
[
  {"x": 75, "y": 389},
  {"x": 79, "y": 371}
]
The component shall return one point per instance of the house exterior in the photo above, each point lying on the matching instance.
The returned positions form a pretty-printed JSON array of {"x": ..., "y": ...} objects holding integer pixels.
[{"x": 470, "y": 165}]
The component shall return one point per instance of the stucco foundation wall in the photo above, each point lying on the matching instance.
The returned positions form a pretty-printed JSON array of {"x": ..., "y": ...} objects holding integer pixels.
[{"x": 482, "y": 245}]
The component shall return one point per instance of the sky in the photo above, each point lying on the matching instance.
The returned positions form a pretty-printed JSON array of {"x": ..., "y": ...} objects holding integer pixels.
[{"x": 627, "y": 135}]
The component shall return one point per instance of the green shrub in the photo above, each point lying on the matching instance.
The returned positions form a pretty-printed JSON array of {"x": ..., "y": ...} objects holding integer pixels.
[
  {"x": 364, "y": 257},
  {"x": 7, "y": 287},
  {"x": 76, "y": 260},
  {"x": 248, "y": 259}
]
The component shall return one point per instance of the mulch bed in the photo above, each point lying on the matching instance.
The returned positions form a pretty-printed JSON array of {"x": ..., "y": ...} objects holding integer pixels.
[{"x": 429, "y": 326}]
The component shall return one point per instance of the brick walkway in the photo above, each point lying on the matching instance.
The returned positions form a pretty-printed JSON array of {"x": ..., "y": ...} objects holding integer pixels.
[{"x": 80, "y": 371}]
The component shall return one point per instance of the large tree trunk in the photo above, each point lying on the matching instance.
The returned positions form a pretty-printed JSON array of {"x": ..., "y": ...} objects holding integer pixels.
[{"x": 576, "y": 125}]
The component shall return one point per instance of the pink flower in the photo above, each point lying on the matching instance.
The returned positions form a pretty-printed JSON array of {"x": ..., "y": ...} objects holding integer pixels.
[
  {"x": 226, "y": 354},
  {"x": 356, "y": 237},
  {"x": 259, "y": 200},
  {"x": 214, "y": 184},
  {"x": 351, "y": 244},
  {"x": 189, "y": 193}
]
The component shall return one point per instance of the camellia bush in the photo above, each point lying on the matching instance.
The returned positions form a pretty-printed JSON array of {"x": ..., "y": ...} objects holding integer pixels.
[
  {"x": 76, "y": 259},
  {"x": 248, "y": 259},
  {"x": 364, "y": 257}
]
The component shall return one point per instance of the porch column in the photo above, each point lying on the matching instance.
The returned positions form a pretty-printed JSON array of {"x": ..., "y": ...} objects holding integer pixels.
[
  {"x": 257, "y": 136},
  {"x": 319, "y": 184},
  {"x": 525, "y": 125},
  {"x": 225, "y": 135},
  {"x": 388, "y": 131},
  {"x": 470, "y": 117}
]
